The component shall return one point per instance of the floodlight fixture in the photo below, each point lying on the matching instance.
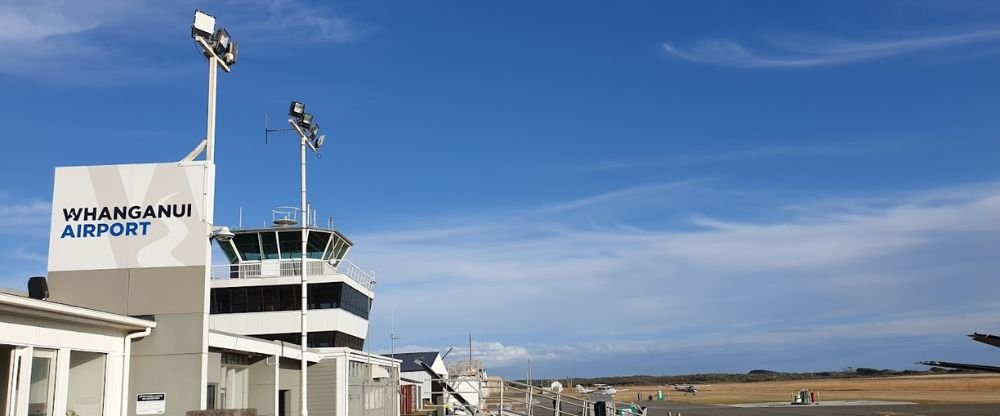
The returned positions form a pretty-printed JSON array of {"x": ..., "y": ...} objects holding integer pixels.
[
  {"x": 229, "y": 57},
  {"x": 314, "y": 130},
  {"x": 203, "y": 26},
  {"x": 319, "y": 141},
  {"x": 296, "y": 109},
  {"x": 221, "y": 42},
  {"x": 306, "y": 120},
  {"x": 220, "y": 49}
]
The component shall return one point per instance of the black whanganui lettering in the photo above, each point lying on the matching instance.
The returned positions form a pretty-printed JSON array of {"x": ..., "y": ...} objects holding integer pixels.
[
  {"x": 72, "y": 214},
  {"x": 133, "y": 212}
]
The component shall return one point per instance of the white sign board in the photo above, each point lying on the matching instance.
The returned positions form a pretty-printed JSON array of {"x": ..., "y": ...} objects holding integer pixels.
[
  {"x": 151, "y": 404},
  {"x": 130, "y": 216}
]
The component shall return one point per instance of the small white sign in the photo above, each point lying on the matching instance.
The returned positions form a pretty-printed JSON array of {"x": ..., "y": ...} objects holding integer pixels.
[{"x": 151, "y": 404}]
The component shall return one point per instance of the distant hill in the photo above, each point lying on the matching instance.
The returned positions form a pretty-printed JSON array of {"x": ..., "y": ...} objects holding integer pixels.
[{"x": 750, "y": 377}]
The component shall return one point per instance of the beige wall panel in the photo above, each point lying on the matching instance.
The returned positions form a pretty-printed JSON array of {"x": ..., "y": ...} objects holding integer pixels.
[
  {"x": 175, "y": 375},
  {"x": 262, "y": 387},
  {"x": 104, "y": 290},
  {"x": 174, "y": 334},
  {"x": 323, "y": 388},
  {"x": 165, "y": 290},
  {"x": 288, "y": 379}
]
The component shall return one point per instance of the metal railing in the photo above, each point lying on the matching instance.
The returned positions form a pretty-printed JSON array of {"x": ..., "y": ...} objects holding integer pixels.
[
  {"x": 293, "y": 267},
  {"x": 502, "y": 397}
]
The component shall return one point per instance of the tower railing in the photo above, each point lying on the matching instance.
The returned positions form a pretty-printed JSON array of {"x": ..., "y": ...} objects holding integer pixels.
[{"x": 291, "y": 268}]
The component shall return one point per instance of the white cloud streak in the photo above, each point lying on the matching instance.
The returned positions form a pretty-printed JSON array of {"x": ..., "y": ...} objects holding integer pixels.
[
  {"x": 20, "y": 215},
  {"x": 95, "y": 41},
  {"x": 802, "y": 53},
  {"x": 870, "y": 268}
]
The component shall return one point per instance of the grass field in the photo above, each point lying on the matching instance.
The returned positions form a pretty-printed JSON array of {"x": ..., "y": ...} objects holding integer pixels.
[{"x": 976, "y": 388}]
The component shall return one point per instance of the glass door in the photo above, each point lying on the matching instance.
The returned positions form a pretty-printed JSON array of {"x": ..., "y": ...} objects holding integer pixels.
[
  {"x": 10, "y": 361},
  {"x": 42, "y": 385}
]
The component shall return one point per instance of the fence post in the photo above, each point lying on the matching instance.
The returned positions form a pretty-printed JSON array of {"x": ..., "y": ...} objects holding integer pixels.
[
  {"x": 531, "y": 394},
  {"x": 558, "y": 405},
  {"x": 500, "y": 410}
]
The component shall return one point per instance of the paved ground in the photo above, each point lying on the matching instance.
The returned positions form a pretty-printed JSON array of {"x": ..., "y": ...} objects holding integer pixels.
[{"x": 689, "y": 409}]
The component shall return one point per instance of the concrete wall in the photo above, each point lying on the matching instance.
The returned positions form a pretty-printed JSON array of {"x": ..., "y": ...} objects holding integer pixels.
[
  {"x": 263, "y": 379},
  {"x": 288, "y": 379},
  {"x": 290, "y": 321}
]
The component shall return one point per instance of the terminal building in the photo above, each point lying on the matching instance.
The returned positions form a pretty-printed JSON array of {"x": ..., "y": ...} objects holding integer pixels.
[{"x": 134, "y": 318}]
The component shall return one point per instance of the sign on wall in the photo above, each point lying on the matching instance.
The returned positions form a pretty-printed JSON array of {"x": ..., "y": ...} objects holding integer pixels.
[
  {"x": 130, "y": 216},
  {"x": 151, "y": 404}
]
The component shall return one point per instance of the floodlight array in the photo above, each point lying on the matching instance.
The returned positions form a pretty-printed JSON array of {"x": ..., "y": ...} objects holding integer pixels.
[
  {"x": 303, "y": 122},
  {"x": 217, "y": 42}
]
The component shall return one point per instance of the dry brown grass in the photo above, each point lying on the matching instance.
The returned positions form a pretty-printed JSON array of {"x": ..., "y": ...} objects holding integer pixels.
[{"x": 983, "y": 388}]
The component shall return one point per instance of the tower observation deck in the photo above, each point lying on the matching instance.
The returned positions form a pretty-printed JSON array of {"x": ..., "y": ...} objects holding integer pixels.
[{"x": 258, "y": 292}]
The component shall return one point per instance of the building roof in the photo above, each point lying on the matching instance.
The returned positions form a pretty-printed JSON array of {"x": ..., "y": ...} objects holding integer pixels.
[
  {"x": 986, "y": 339},
  {"x": 21, "y": 305},
  {"x": 409, "y": 360}
]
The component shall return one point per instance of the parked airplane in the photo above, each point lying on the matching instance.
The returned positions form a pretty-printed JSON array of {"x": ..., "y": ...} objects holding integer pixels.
[
  {"x": 598, "y": 388},
  {"x": 689, "y": 388}
]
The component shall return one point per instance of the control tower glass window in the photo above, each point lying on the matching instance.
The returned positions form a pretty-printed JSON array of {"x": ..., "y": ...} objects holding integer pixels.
[
  {"x": 290, "y": 244},
  {"x": 317, "y": 244},
  {"x": 269, "y": 243},
  {"x": 227, "y": 248},
  {"x": 248, "y": 245}
]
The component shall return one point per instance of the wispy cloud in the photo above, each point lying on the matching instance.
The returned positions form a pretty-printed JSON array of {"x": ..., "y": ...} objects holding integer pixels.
[
  {"x": 280, "y": 21},
  {"x": 96, "y": 41},
  {"x": 824, "y": 149},
  {"x": 638, "y": 191},
  {"x": 541, "y": 278},
  {"x": 810, "y": 52},
  {"x": 16, "y": 216}
]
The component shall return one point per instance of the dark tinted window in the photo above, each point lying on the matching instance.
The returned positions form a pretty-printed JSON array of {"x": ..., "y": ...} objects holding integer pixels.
[
  {"x": 269, "y": 242},
  {"x": 322, "y": 339},
  {"x": 287, "y": 298},
  {"x": 239, "y": 299},
  {"x": 317, "y": 243},
  {"x": 253, "y": 299},
  {"x": 248, "y": 246},
  {"x": 324, "y": 295},
  {"x": 355, "y": 302},
  {"x": 290, "y": 243}
]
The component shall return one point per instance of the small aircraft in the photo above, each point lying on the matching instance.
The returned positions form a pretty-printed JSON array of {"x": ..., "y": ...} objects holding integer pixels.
[
  {"x": 598, "y": 388},
  {"x": 687, "y": 388}
]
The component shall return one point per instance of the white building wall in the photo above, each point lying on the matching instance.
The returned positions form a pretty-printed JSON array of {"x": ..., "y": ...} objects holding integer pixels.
[
  {"x": 425, "y": 379},
  {"x": 251, "y": 323},
  {"x": 28, "y": 333}
]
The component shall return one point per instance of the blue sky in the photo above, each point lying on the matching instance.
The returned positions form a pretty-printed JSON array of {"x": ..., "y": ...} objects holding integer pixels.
[{"x": 649, "y": 187}]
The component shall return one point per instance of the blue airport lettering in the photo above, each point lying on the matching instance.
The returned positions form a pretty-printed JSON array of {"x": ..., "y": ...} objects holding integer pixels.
[{"x": 117, "y": 229}]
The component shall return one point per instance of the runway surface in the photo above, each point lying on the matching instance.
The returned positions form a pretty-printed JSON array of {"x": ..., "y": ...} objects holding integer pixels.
[{"x": 665, "y": 408}]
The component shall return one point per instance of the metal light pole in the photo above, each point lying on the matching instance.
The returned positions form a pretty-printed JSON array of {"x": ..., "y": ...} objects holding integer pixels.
[
  {"x": 221, "y": 51},
  {"x": 304, "y": 274},
  {"x": 213, "y": 75},
  {"x": 213, "y": 43},
  {"x": 314, "y": 143}
]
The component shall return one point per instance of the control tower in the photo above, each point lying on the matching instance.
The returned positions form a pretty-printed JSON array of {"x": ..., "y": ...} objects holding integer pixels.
[{"x": 259, "y": 292}]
